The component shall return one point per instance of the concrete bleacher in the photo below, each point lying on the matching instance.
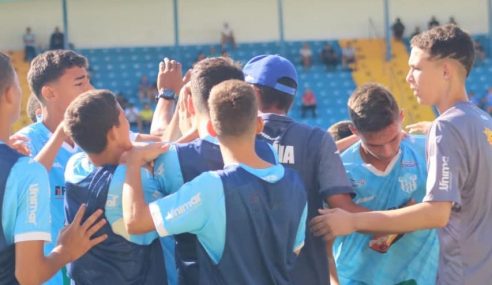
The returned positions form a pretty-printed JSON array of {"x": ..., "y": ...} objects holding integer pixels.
[{"x": 119, "y": 69}]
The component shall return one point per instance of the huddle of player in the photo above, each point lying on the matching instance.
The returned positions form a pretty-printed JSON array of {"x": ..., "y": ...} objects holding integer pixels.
[{"x": 239, "y": 196}]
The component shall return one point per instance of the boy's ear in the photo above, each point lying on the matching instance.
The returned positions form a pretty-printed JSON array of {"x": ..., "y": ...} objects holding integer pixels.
[
  {"x": 48, "y": 93},
  {"x": 259, "y": 125},
  {"x": 211, "y": 129},
  {"x": 353, "y": 129}
]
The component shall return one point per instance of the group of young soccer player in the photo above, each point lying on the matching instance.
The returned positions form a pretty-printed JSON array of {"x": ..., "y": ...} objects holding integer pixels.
[{"x": 244, "y": 194}]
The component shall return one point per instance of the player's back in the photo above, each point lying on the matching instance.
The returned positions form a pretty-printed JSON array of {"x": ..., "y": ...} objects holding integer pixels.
[
  {"x": 194, "y": 158},
  {"x": 121, "y": 258},
  {"x": 7, "y": 251},
  {"x": 312, "y": 153},
  {"x": 462, "y": 154},
  {"x": 263, "y": 222}
]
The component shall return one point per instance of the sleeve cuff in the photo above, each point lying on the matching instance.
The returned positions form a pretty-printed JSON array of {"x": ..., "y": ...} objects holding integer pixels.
[
  {"x": 32, "y": 236},
  {"x": 337, "y": 190},
  {"x": 155, "y": 212}
]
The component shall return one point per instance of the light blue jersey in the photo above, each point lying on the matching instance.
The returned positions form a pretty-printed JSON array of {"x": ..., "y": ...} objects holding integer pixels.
[
  {"x": 26, "y": 204},
  {"x": 39, "y": 135},
  {"x": 79, "y": 167},
  {"x": 167, "y": 168},
  {"x": 415, "y": 255},
  {"x": 199, "y": 208}
]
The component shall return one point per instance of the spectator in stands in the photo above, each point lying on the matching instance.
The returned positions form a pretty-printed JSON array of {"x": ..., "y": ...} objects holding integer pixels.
[
  {"x": 340, "y": 130},
  {"x": 452, "y": 21},
  {"x": 306, "y": 55},
  {"x": 57, "y": 39},
  {"x": 213, "y": 52},
  {"x": 433, "y": 22},
  {"x": 29, "y": 45},
  {"x": 133, "y": 117},
  {"x": 398, "y": 29},
  {"x": 308, "y": 103},
  {"x": 348, "y": 57},
  {"x": 201, "y": 56},
  {"x": 224, "y": 53},
  {"x": 146, "y": 117},
  {"x": 329, "y": 57},
  {"x": 145, "y": 94},
  {"x": 479, "y": 52},
  {"x": 488, "y": 101},
  {"x": 227, "y": 36},
  {"x": 415, "y": 32}
]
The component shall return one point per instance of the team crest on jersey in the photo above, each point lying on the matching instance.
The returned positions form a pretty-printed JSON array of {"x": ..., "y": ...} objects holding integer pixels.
[
  {"x": 408, "y": 183},
  {"x": 488, "y": 134},
  {"x": 358, "y": 183}
]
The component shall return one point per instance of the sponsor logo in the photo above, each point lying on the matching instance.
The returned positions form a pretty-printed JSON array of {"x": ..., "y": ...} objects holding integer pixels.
[
  {"x": 285, "y": 153},
  {"x": 57, "y": 165},
  {"x": 358, "y": 183},
  {"x": 190, "y": 204},
  {"x": 408, "y": 183},
  {"x": 445, "y": 174},
  {"x": 59, "y": 192},
  {"x": 488, "y": 133},
  {"x": 364, "y": 199},
  {"x": 111, "y": 200},
  {"x": 408, "y": 163},
  {"x": 33, "y": 203}
]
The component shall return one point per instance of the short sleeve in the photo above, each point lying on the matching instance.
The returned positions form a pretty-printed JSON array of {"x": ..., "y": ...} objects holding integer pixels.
[
  {"x": 114, "y": 207},
  {"x": 188, "y": 209},
  {"x": 331, "y": 173},
  {"x": 33, "y": 219},
  {"x": 301, "y": 231},
  {"x": 446, "y": 162},
  {"x": 167, "y": 171}
]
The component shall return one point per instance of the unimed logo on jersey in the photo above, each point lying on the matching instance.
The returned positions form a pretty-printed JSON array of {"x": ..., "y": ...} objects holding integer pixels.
[
  {"x": 445, "y": 174},
  {"x": 188, "y": 205},
  {"x": 33, "y": 203}
]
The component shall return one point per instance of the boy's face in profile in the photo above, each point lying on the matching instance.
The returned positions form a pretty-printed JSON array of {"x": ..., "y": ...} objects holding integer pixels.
[
  {"x": 426, "y": 77},
  {"x": 122, "y": 131}
]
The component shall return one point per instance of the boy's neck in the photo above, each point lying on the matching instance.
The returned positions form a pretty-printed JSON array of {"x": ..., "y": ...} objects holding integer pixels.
[
  {"x": 237, "y": 151},
  {"x": 107, "y": 157},
  {"x": 52, "y": 122},
  {"x": 452, "y": 98}
]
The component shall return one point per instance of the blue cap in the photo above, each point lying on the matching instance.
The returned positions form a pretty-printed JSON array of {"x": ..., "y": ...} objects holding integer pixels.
[{"x": 266, "y": 70}]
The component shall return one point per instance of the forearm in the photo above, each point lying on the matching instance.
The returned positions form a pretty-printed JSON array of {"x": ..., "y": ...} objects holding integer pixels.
[
  {"x": 135, "y": 210},
  {"x": 172, "y": 132},
  {"x": 48, "y": 153},
  {"x": 38, "y": 268},
  {"x": 162, "y": 116},
  {"x": 420, "y": 216},
  {"x": 347, "y": 142}
]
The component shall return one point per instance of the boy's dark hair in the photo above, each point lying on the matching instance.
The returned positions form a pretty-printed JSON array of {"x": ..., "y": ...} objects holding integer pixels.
[
  {"x": 233, "y": 108},
  {"x": 50, "y": 66},
  {"x": 31, "y": 107},
  {"x": 447, "y": 41},
  {"x": 89, "y": 118},
  {"x": 372, "y": 108},
  {"x": 270, "y": 97},
  {"x": 340, "y": 130},
  {"x": 206, "y": 74},
  {"x": 7, "y": 72}
]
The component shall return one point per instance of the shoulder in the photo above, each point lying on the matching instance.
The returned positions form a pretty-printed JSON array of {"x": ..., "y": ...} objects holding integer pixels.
[
  {"x": 78, "y": 168},
  {"x": 27, "y": 167}
]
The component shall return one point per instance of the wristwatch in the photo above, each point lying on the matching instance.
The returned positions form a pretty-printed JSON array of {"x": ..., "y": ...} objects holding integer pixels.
[{"x": 166, "y": 94}]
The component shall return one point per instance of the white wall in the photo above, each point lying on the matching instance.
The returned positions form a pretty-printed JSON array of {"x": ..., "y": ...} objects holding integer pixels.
[{"x": 107, "y": 23}]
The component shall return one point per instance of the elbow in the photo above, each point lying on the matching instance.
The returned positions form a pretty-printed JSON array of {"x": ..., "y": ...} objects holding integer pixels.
[
  {"x": 26, "y": 276},
  {"x": 131, "y": 225}
]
